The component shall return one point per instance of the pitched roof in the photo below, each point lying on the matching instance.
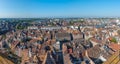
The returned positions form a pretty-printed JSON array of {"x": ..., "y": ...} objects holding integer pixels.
[
  {"x": 62, "y": 36},
  {"x": 94, "y": 52},
  {"x": 114, "y": 46}
]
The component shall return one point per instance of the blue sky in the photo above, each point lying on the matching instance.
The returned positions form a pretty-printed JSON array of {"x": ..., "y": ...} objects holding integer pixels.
[{"x": 59, "y": 8}]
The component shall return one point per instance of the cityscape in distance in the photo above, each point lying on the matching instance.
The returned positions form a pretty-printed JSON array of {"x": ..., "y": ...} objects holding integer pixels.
[{"x": 59, "y": 32}]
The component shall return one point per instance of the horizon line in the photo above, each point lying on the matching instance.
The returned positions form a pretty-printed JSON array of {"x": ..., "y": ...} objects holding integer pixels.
[{"x": 59, "y": 17}]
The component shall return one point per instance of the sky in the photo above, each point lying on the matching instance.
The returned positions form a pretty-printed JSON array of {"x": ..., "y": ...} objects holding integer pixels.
[{"x": 59, "y": 8}]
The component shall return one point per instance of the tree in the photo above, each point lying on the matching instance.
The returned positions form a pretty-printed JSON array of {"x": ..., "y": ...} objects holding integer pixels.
[
  {"x": 71, "y": 22},
  {"x": 4, "y": 36},
  {"x": 113, "y": 40},
  {"x": 118, "y": 32}
]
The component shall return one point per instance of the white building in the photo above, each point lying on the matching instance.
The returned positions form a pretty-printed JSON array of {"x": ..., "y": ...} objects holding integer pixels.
[{"x": 32, "y": 27}]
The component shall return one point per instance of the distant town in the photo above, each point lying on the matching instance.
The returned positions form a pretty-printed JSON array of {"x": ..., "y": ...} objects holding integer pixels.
[{"x": 60, "y": 40}]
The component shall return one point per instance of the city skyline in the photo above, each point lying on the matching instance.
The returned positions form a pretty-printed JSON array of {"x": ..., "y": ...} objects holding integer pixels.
[{"x": 59, "y": 8}]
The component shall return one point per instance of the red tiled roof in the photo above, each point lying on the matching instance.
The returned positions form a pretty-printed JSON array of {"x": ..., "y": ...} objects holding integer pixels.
[
  {"x": 33, "y": 40},
  {"x": 114, "y": 46},
  {"x": 96, "y": 40}
]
